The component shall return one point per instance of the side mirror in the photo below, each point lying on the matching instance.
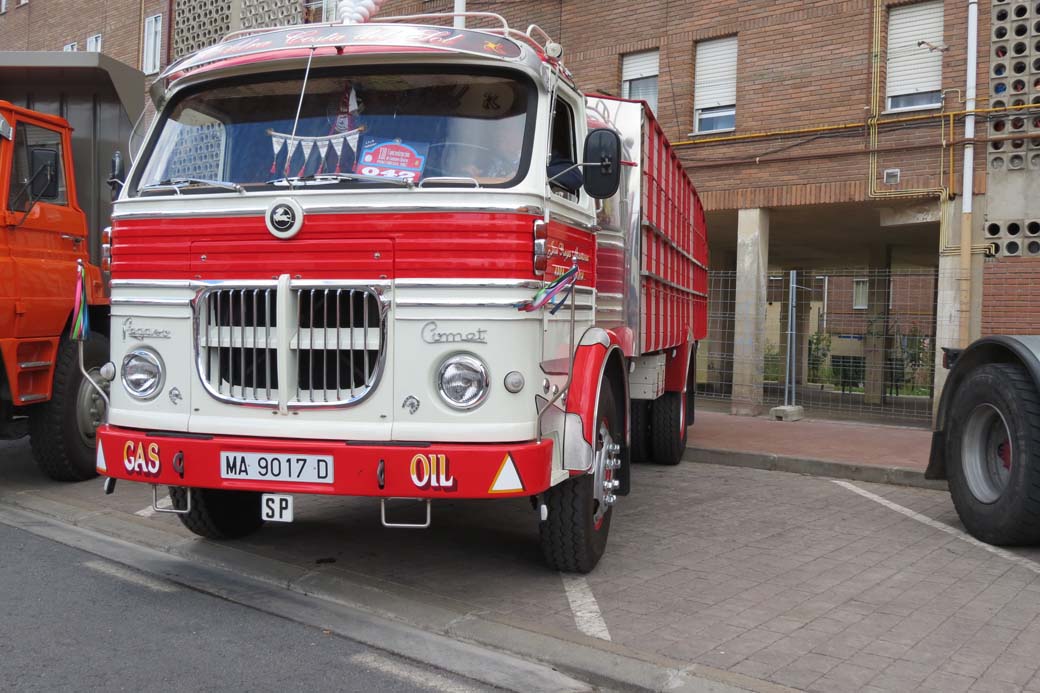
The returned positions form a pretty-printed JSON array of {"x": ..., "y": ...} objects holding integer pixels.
[
  {"x": 44, "y": 165},
  {"x": 602, "y": 163},
  {"x": 117, "y": 174}
]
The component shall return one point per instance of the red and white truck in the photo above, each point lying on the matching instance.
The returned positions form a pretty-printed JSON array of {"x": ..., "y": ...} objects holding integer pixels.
[{"x": 401, "y": 261}]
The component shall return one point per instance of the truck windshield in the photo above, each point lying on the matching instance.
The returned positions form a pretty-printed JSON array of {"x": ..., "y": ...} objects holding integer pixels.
[{"x": 459, "y": 128}]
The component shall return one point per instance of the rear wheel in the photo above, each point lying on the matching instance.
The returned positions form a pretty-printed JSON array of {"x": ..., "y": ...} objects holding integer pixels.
[
  {"x": 640, "y": 426},
  {"x": 993, "y": 454},
  {"x": 574, "y": 536},
  {"x": 63, "y": 430},
  {"x": 668, "y": 428},
  {"x": 217, "y": 514}
]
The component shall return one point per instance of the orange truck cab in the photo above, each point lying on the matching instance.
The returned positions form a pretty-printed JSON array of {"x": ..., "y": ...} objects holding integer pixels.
[{"x": 62, "y": 117}]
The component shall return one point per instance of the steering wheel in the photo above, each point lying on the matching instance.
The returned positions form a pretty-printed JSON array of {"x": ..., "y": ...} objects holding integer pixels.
[{"x": 491, "y": 158}]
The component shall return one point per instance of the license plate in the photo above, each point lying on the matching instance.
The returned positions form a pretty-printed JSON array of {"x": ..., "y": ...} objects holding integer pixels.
[
  {"x": 255, "y": 466},
  {"x": 276, "y": 507}
]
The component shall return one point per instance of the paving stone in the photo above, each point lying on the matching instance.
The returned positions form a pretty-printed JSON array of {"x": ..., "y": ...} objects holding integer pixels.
[
  {"x": 844, "y": 677},
  {"x": 795, "y": 677},
  {"x": 943, "y": 682}
]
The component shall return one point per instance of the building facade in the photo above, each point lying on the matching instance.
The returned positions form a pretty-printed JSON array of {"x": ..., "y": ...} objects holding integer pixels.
[{"x": 831, "y": 140}]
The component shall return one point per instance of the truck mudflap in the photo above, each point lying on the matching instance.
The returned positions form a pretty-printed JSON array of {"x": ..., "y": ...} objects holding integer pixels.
[{"x": 278, "y": 465}]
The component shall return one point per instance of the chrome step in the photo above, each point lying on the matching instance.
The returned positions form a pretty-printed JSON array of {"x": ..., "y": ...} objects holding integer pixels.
[
  {"x": 31, "y": 398},
  {"x": 25, "y": 365}
]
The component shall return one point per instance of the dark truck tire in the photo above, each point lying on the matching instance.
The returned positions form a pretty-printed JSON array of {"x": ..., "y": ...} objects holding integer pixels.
[
  {"x": 668, "y": 428},
  {"x": 993, "y": 454},
  {"x": 217, "y": 514},
  {"x": 63, "y": 438},
  {"x": 640, "y": 430},
  {"x": 573, "y": 539}
]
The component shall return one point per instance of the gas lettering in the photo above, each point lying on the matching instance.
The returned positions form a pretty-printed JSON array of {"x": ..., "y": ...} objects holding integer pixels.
[
  {"x": 432, "y": 472},
  {"x": 141, "y": 459}
]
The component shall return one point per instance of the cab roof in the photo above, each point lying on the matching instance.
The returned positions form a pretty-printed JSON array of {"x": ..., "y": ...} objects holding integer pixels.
[{"x": 378, "y": 38}]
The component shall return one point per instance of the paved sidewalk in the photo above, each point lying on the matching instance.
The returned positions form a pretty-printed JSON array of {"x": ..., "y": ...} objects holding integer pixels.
[{"x": 864, "y": 452}]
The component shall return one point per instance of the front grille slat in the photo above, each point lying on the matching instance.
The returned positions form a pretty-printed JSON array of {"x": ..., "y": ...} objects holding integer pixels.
[{"x": 238, "y": 340}]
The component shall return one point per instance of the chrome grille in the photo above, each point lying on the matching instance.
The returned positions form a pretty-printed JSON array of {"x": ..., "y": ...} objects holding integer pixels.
[{"x": 333, "y": 338}]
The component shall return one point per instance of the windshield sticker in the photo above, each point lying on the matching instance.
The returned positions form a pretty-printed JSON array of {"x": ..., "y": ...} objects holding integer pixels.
[{"x": 393, "y": 159}]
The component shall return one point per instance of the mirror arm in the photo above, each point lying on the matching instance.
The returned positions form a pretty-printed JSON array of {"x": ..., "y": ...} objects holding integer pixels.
[
  {"x": 569, "y": 169},
  {"x": 36, "y": 198}
]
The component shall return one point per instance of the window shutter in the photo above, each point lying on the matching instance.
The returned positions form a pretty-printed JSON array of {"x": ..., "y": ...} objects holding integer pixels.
[
  {"x": 639, "y": 65},
  {"x": 715, "y": 80},
  {"x": 913, "y": 69}
]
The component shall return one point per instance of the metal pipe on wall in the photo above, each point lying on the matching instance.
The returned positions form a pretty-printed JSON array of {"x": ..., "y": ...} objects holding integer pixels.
[
  {"x": 460, "y": 7},
  {"x": 968, "y": 182}
]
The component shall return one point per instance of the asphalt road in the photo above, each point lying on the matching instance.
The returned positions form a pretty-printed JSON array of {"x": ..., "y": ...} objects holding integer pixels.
[{"x": 73, "y": 621}]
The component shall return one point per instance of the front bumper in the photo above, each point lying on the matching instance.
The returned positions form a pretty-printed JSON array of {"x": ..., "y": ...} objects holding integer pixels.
[{"x": 414, "y": 470}]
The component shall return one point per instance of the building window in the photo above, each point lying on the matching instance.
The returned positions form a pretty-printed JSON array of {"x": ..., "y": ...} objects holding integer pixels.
[
  {"x": 639, "y": 77},
  {"x": 94, "y": 43},
  {"x": 318, "y": 11},
  {"x": 859, "y": 294},
  {"x": 70, "y": 47},
  {"x": 915, "y": 53},
  {"x": 715, "y": 86},
  {"x": 152, "y": 52}
]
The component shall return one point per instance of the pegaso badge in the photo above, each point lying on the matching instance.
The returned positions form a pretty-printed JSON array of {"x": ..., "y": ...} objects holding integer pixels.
[
  {"x": 284, "y": 218},
  {"x": 142, "y": 333}
]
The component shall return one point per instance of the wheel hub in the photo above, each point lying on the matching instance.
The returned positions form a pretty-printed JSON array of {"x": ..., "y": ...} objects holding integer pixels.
[
  {"x": 608, "y": 461},
  {"x": 987, "y": 453},
  {"x": 91, "y": 409}
]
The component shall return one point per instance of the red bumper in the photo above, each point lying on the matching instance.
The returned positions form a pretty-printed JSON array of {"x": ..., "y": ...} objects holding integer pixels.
[{"x": 420, "y": 470}]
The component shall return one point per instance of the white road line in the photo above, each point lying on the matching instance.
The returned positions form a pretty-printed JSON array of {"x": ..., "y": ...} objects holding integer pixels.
[
  {"x": 164, "y": 502},
  {"x": 410, "y": 674},
  {"x": 586, "y": 610},
  {"x": 121, "y": 573},
  {"x": 1021, "y": 561}
]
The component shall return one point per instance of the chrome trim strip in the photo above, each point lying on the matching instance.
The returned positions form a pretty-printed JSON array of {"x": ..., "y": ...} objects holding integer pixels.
[
  {"x": 659, "y": 278},
  {"x": 468, "y": 283},
  {"x": 138, "y": 301},
  {"x": 317, "y": 209},
  {"x": 463, "y": 303},
  {"x": 247, "y": 284}
]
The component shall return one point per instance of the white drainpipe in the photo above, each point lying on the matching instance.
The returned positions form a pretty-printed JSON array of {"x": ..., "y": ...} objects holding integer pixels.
[
  {"x": 460, "y": 7},
  {"x": 968, "y": 182}
]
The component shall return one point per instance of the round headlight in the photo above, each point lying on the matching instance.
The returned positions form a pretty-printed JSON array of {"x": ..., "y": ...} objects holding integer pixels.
[
  {"x": 463, "y": 381},
  {"x": 143, "y": 373}
]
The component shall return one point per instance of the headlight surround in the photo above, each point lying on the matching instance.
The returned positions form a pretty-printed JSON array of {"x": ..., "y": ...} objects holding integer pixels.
[
  {"x": 143, "y": 374},
  {"x": 463, "y": 381}
]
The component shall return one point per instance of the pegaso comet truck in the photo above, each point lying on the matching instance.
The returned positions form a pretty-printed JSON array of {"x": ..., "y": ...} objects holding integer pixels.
[{"x": 404, "y": 261}]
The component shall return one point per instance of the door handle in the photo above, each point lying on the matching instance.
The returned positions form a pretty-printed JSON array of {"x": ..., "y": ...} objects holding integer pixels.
[{"x": 76, "y": 240}]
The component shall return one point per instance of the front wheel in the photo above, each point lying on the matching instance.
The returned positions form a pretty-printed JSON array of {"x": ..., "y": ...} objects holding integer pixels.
[
  {"x": 993, "y": 455},
  {"x": 574, "y": 536},
  {"x": 63, "y": 430},
  {"x": 217, "y": 514}
]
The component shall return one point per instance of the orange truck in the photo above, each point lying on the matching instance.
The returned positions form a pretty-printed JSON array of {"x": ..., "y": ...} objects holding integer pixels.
[{"x": 62, "y": 118}]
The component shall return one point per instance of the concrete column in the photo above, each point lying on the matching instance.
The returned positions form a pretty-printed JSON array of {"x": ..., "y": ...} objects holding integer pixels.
[
  {"x": 750, "y": 309},
  {"x": 875, "y": 341}
]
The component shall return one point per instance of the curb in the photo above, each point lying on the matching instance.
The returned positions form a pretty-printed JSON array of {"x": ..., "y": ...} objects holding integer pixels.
[{"x": 897, "y": 476}]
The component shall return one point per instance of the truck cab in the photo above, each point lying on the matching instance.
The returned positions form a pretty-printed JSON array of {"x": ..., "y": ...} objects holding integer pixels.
[
  {"x": 400, "y": 261},
  {"x": 54, "y": 200}
]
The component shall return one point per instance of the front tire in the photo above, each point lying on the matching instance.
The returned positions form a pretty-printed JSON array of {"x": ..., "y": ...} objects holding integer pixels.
[
  {"x": 993, "y": 462},
  {"x": 574, "y": 536},
  {"x": 217, "y": 514},
  {"x": 63, "y": 430}
]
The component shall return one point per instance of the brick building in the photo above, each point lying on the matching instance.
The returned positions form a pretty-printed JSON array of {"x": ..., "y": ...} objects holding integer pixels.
[
  {"x": 135, "y": 33},
  {"x": 822, "y": 135}
]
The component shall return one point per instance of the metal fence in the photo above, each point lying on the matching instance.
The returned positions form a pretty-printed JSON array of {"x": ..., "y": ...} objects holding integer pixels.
[{"x": 853, "y": 344}]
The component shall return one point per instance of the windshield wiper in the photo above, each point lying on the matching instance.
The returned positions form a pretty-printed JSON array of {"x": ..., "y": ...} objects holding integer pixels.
[
  {"x": 334, "y": 177},
  {"x": 177, "y": 184}
]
